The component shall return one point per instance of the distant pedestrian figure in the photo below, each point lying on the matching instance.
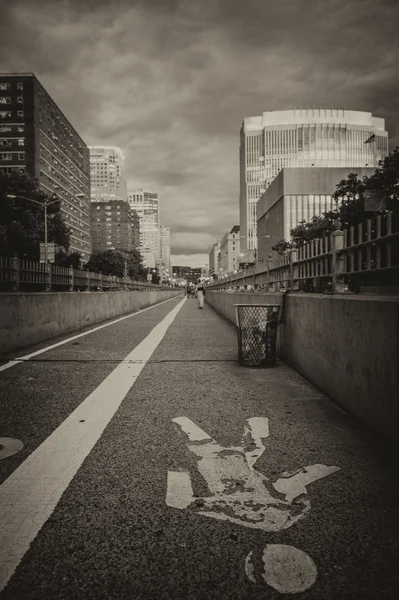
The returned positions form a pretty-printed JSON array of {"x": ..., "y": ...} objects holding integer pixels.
[{"x": 200, "y": 290}]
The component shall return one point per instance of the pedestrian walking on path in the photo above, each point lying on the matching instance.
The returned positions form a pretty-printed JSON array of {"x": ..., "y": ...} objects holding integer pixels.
[{"x": 200, "y": 290}]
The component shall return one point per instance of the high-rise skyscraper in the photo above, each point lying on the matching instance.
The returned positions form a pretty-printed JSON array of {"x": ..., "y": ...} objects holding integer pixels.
[
  {"x": 146, "y": 204},
  {"x": 107, "y": 174},
  {"x": 165, "y": 264},
  {"x": 114, "y": 226},
  {"x": 37, "y": 138},
  {"x": 214, "y": 260},
  {"x": 302, "y": 138}
]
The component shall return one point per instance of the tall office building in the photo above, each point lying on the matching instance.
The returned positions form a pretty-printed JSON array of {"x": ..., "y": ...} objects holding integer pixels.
[
  {"x": 164, "y": 240},
  {"x": 146, "y": 204},
  {"x": 302, "y": 138},
  {"x": 37, "y": 138},
  {"x": 113, "y": 225},
  {"x": 107, "y": 181},
  {"x": 214, "y": 260},
  {"x": 295, "y": 195},
  {"x": 230, "y": 251}
]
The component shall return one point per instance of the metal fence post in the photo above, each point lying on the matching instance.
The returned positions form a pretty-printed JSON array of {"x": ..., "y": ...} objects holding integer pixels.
[
  {"x": 15, "y": 274},
  {"x": 71, "y": 279},
  {"x": 338, "y": 260},
  {"x": 294, "y": 279}
]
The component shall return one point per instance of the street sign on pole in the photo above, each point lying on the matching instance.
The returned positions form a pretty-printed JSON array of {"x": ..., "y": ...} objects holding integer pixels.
[{"x": 50, "y": 253}]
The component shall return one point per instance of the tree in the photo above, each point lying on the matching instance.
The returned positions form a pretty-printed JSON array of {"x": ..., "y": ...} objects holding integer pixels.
[
  {"x": 22, "y": 222},
  {"x": 386, "y": 180},
  {"x": 282, "y": 246},
  {"x": 68, "y": 259},
  {"x": 112, "y": 262}
]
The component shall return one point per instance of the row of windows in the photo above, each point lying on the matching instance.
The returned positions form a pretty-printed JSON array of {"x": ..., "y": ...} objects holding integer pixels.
[
  {"x": 7, "y": 100},
  {"x": 10, "y": 128},
  {"x": 7, "y": 86},
  {"x": 11, "y": 155},
  {"x": 6, "y": 114},
  {"x": 9, "y": 141}
]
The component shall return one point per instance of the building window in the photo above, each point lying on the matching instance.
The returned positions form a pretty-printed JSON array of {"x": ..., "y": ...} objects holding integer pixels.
[
  {"x": 20, "y": 100},
  {"x": 5, "y": 142},
  {"x": 21, "y": 142},
  {"x": 5, "y": 86},
  {"x": 20, "y": 86},
  {"x": 5, "y": 128},
  {"x": 20, "y": 113},
  {"x": 5, "y": 156},
  {"x": 20, "y": 127},
  {"x": 4, "y": 114},
  {"x": 5, "y": 100}
]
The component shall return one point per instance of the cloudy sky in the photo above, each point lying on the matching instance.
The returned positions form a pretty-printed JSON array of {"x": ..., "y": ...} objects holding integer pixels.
[{"x": 169, "y": 81}]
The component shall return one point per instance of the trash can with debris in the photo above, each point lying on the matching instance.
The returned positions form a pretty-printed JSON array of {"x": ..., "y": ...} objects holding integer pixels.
[{"x": 257, "y": 333}]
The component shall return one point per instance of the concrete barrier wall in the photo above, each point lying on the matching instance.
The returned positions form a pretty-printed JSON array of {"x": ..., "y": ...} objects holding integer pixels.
[
  {"x": 347, "y": 346},
  {"x": 26, "y": 319}
]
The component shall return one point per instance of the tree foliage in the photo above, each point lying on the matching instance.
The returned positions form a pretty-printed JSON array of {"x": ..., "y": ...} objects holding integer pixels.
[
  {"x": 22, "y": 222},
  {"x": 68, "y": 259},
  {"x": 112, "y": 262}
]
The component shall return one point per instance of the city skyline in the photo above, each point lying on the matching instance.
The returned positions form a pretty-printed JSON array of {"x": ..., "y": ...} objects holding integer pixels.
[{"x": 170, "y": 83}]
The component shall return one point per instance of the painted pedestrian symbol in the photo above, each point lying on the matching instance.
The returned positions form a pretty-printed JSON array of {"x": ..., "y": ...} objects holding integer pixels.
[{"x": 244, "y": 496}]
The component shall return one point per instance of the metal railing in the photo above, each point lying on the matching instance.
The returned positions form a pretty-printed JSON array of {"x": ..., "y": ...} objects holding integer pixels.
[
  {"x": 19, "y": 275},
  {"x": 364, "y": 253}
]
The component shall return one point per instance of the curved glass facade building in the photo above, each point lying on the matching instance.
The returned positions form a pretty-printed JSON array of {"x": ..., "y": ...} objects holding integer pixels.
[{"x": 302, "y": 138}]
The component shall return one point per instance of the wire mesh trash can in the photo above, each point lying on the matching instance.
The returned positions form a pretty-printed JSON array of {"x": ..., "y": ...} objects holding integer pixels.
[{"x": 257, "y": 333}]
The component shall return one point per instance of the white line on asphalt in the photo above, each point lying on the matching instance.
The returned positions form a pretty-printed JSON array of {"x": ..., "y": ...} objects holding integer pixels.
[
  {"x": 29, "y": 496},
  {"x": 13, "y": 363}
]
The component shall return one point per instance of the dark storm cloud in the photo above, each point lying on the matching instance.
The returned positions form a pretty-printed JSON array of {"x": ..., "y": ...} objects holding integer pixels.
[{"x": 170, "y": 81}]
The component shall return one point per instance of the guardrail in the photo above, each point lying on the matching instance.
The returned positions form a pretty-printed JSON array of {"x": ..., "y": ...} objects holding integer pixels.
[
  {"x": 366, "y": 252},
  {"x": 25, "y": 275}
]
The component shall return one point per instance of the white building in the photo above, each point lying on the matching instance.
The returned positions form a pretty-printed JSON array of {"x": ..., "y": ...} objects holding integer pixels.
[
  {"x": 107, "y": 181},
  {"x": 214, "y": 256},
  {"x": 165, "y": 264},
  {"x": 302, "y": 138},
  {"x": 146, "y": 204},
  {"x": 230, "y": 251}
]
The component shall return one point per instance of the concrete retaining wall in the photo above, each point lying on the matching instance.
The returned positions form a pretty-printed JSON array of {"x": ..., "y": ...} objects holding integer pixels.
[
  {"x": 347, "y": 346},
  {"x": 26, "y": 319}
]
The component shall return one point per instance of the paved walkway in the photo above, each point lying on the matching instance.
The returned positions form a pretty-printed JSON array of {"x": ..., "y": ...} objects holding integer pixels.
[{"x": 153, "y": 466}]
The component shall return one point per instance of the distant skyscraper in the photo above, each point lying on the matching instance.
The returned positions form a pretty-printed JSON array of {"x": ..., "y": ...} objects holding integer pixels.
[
  {"x": 114, "y": 226},
  {"x": 107, "y": 174},
  {"x": 230, "y": 251},
  {"x": 37, "y": 138},
  {"x": 146, "y": 204},
  {"x": 165, "y": 251},
  {"x": 302, "y": 138},
  {"x": 214, "y": 259}
]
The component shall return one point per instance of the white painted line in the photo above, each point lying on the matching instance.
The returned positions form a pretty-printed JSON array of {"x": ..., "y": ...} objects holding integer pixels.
[
  {"x": 293, "y": 486},
  {"x": 194, "y": 433},
  {"x": 29, "y": 496},
  {"x": 179, "y": 490},
  {"x": 14, "y": 363},
  {"x": 9, "y": 447}
]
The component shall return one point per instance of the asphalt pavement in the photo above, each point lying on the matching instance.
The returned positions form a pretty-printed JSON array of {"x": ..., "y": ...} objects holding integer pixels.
[{"x": 144, "y": 443}]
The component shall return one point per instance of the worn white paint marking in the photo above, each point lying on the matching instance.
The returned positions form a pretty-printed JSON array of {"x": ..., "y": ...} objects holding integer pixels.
[
  {"x": 238, "y": 492},
  {"x": 9, "y": 447},
  {"x": 249, "y": 567},
  {"x": 14, "y": 363},
  {"x": 194, "y": 433},
  {"x": 293, "y": 486},
  {"x": 179, "y": 489},
  {"x": 287, "y": 569},
  {"x": 29, "y": 496}
]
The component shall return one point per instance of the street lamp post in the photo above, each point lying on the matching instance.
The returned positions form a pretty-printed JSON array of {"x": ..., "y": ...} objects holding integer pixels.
[{"x": 44, "y": 205}]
